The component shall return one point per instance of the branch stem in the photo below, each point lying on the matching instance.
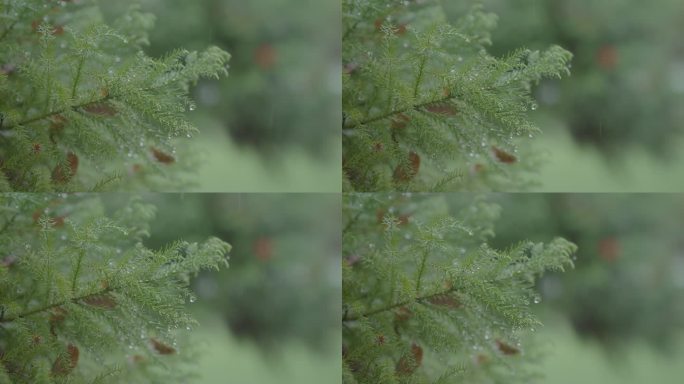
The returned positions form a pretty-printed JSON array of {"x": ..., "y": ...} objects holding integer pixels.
[
  {"x": 354, "y": 125},
  {"x": 53, "y": 305},
  {"x": 390, "y": 307},
  {"x": 57, "y": 112}
]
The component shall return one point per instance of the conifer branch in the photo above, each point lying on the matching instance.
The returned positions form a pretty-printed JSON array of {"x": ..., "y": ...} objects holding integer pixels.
[
  {"x": 50, "y": 114},
  {"x": 417, "y": 299},
  {"x": 415, "y": 107},
  {"x": 475, "y": 297},
  {"x": 48, "y": 307},
  {"x": 391, "y": 72}
]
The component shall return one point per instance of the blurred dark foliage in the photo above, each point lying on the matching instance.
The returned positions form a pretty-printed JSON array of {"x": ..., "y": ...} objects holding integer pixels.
[
  {"x": 284, "y": 87},
  {"x": 628, "y": 284},
  {"x": 284, "y": 280},
  {"x": 627, "y": 84}
]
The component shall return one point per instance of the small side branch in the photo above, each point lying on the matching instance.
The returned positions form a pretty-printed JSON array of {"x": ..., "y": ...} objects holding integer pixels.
[
  {"x": 77, "y": 78},
  {"x": 77, "y": 270},
  {"x": 423, "y": 262}
]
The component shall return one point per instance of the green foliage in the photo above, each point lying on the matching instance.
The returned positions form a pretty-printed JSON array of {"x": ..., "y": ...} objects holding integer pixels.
[
  {"x": 426, "y": 107},
  {"x": 284, "y": 90},
  {"x": 627, "y": 287},
  {"x": 427, "y": 300},
  {"x": 82, "y": 300},
  {"x": 84, "y": 108},
  {"x": 627, "y": 76},
  {"x": 284, "y": 281}
]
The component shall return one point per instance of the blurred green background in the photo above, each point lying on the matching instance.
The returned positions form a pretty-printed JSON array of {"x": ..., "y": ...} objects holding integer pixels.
[
  {"x": 618, "y": 317},
  {"x": 617, "y": 123},
  {"x": 273, "y": 124},
  {"x": 273, "y": 315}
]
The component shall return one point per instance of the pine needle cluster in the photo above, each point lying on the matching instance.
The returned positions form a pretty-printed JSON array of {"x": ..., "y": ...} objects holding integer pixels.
[
  {"x": 427, "y": 300},
  {"x": 426, "y": 108},
  {"x": 83, "y": 108},
  {"x": 82, "y": 300}
]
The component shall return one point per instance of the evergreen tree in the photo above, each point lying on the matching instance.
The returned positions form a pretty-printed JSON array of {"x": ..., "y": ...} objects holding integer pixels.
[
  {"x": 425, "y": 107},
  {"x": 427, "y": 300},
  {"x": 83, "y": 108},
  {"x": 82, "y": 300}
]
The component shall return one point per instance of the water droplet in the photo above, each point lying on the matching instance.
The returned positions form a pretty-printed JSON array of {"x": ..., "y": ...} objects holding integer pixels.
[
  {"x": 192, "y": 299},
  {"x": 191, "y": 107},
  {"x": 188, "y": 136},
  {"x": 537, "y": 299}
]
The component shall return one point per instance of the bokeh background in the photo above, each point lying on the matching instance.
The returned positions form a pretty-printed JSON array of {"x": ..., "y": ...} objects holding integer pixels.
[
  {"x": 273, "y": 315},
  {"x": 617, "y": 123},
  {"x": 274, "y": 123},
  {"x": 618, "y": 317}
]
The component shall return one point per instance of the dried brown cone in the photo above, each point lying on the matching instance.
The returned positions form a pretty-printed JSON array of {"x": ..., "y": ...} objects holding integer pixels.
[
  {"x": 409, "y": 362},
  {"x": 64, "y": 364},
  {"x": 161, "y": 348}
]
